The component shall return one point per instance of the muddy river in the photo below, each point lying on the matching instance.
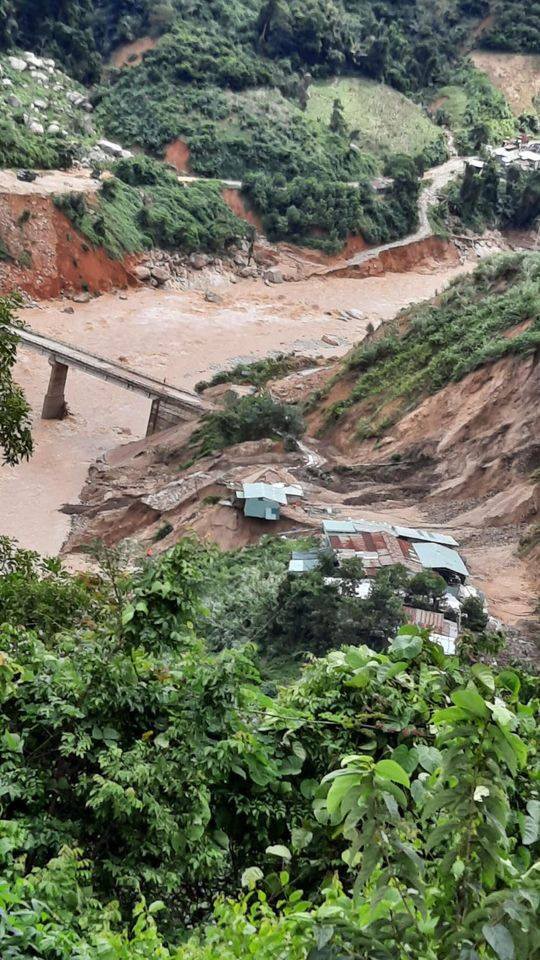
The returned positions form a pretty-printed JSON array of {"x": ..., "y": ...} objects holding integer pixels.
[{"x": 177, "y": 336}]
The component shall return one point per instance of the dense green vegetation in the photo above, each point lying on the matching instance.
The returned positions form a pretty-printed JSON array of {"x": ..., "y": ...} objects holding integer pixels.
[
  {"x": 516, "y": 27},
  {"x": 444, "y": 342},
  {"x": 384, "y": 805},
  {"x": 144, "y": 205},
  {"x": 484, "y": 198},
  {"x": 220, "y": 70},
  {"x": 214, "y": 86},
  {"x": 258, "y": 372},
  {"x": 476, "y": 112},
  {"x": 252, "y": 600},
  {"x": 79, "y": 32},
  {"x": 245, "y": 418},
  {"x": 15, "y": 416},
  {"x": 323, "y": 213}
]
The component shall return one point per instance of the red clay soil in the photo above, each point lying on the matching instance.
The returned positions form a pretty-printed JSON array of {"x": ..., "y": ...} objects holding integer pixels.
[
  {"x": 237, "y": 203},
  {"x": 423, "y": 253},
  {"x": 47, "y": 256},
  {"x": 178, "y": 154}
]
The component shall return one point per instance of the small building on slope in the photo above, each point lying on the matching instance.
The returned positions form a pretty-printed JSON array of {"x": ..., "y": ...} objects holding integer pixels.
[
  {"x": 380, "y": 544},
  {"x": 263, "y": 501}
]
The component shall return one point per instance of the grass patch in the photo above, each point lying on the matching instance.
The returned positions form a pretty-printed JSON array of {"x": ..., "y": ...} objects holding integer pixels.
[
  {"x": 145, "y": 206},
  {"x": 258, "y": 372},
  {"x": 381, "y": 120},
  {"x": 444, "y": 343}
]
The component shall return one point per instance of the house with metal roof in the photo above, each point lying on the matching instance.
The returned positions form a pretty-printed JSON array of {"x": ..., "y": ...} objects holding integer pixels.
[
  {"x": 304, "y": 561},
  {"x": 379, "y": 544},
  {"x": 263, "y": 501},
  {"x": 434, "y": 556},
  {"x": 441, "y": 630}
]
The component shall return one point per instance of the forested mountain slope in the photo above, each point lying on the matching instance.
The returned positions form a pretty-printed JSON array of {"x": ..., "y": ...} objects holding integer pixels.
[{"x": 238, "y": 85}]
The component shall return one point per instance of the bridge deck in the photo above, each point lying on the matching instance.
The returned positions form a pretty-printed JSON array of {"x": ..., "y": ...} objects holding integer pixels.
[{"x": 109, "y": 370}]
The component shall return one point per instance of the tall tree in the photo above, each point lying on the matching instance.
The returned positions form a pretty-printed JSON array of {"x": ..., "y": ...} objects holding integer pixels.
[
  {"x": 337, "y": 119},
  {"x": 15, "y": 436}
]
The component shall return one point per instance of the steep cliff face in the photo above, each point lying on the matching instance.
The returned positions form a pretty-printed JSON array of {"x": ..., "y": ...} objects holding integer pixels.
[
  {"x": 447, "y": 393},
  {"x": 44, "y": 255},
  {"x": 476, "y": 440}
]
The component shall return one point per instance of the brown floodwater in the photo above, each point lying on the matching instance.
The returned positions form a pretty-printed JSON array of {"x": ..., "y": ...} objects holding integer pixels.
[{"x": 174, "y": 335}]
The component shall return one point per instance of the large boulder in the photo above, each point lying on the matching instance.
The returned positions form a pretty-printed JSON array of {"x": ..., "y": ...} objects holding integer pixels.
[
  {"x": 113, "y": 149},
  {"x": 33, "y": 61},
  {"x": 274, "y": 275},
  {"x": 17, "y": 64},
  {"x": 198, "y": 261},
  {"x": 36, "y": 127},
  {"x": 161, "y": 274},
  {"x": 249, "y": 272},
  {"x": 75, "y": 97},
  {"x": 142, "y": 273}
]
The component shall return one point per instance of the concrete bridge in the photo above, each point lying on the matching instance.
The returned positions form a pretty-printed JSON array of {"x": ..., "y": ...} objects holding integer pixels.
[{"x": 169, "y": 404}]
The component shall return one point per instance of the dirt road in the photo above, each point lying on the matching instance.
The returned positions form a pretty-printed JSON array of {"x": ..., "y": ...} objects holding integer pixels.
[{"x": 435, "y": 180}]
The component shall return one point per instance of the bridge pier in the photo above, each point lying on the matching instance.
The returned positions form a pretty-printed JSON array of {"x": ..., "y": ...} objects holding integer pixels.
[
  {"x": 162, "y": 416},
  {"x": 54, "y": 405}
]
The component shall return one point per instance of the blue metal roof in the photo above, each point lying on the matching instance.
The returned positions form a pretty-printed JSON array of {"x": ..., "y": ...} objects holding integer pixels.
[
  {"x": 355, "y": 526},
  {"x": 264, "y": 491},
  {"x": 301, "y": 562},
  {"x": 434, "y": 556},
  {"x": 430, "y": 536}
]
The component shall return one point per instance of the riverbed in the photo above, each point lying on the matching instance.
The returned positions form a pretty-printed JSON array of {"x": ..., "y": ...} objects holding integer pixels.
[{"x": 178, "y": 336}]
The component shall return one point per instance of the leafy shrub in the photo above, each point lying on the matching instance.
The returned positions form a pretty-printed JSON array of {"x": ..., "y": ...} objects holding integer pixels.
[
  {"x": 258, "y": 372},
  {"x": 426, "y": 589},
  {"x": 474, "y": 617},
  {"x": 246, "y": 418},
  {"x": 145, "y": 205},
  {"x": 444, "y": 343},
  {"x": 38, "y": 594}
]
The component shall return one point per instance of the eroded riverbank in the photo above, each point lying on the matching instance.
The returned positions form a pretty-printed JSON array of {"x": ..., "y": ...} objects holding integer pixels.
[{"x": 178, "y": 336}]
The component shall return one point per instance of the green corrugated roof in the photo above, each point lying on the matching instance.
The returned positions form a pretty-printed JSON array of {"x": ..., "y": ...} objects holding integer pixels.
[
  {"x": 434, "y": 556},
  {"x": 264, "y": 491}
]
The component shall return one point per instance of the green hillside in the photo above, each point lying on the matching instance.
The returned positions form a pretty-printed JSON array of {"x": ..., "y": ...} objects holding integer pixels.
[
  {"x": 381, "y": 120},
  {"x": 247, "y": 87},
  {"x": 45, "y": 117},
  {"x": 431, "y": 345}
]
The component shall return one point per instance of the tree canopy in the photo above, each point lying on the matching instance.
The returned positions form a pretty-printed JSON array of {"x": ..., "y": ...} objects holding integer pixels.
[
  {"x": 15, "y": 436},
  {"x": 159, "y": 801}
]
